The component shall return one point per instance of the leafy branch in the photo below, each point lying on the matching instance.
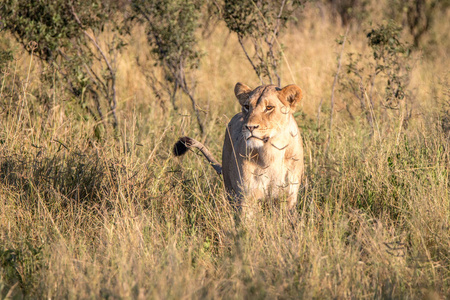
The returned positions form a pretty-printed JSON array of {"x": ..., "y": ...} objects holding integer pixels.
[
  {"x": 260, "y": 22},
  {"x": 170, "y": 27}
]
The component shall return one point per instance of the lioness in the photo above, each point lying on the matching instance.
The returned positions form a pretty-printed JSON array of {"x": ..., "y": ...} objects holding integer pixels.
[{"x": 263, "y": 151}]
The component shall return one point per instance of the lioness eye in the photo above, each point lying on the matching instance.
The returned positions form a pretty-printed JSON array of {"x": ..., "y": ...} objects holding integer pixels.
[
  {"x": 246, "y": 107},
  {"x": 269, "y": 108}
]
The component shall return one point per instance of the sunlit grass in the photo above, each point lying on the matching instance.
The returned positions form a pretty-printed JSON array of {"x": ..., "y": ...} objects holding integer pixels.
[{"x": 121, "y": 217}]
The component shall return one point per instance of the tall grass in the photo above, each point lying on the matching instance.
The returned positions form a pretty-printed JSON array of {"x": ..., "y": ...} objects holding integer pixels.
[{"x": 83, "y": 217}]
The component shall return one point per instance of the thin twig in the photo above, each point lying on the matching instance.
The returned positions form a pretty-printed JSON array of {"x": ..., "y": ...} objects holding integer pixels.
[
  {"x": 113, "y": 103},
  {"x": 187, "y": 91},
  {"x": 277, "y": 27},
  {"x": 275, "y": 37},
  {"x": 319, "y": 109},
  {"x": 332, "y": 93},
  {"x": 248, "y": 57}
]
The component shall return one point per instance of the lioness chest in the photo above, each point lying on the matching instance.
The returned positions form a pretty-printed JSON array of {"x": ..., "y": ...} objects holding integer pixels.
[
  {"x": 271, "y": 178},
  {"x": 274, "y": 170}
]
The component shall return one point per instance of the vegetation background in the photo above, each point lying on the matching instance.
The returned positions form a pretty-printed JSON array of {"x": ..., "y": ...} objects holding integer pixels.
[{"x": 93, "y": 94}]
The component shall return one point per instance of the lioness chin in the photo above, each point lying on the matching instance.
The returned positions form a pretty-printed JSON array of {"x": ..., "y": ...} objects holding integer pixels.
[{"x": 262, "y": 151}]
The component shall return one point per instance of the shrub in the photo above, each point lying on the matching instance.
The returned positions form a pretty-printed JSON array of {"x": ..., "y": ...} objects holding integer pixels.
[
  {"x": 58, "y": 33},
  {"x": 261, "y": 22},
  {"x": 417, "y": 16},
  {"x": 171, "y": 27},
  {"x": 387, "y": 68}
]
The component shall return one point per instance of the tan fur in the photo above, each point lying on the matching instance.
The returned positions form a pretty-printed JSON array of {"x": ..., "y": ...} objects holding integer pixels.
[
  {"x": 262, "y": 152},
  {"x": 253, "y": 167}
]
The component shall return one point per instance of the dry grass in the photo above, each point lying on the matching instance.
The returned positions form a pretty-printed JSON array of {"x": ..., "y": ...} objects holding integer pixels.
[{"x": 82, "y": 218}]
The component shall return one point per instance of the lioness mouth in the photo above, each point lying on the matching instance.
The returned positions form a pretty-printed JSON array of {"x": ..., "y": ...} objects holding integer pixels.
[{"x": 264, "y": 139}]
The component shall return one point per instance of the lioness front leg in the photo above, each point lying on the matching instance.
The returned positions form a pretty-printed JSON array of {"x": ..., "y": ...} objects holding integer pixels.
[{"x": 292, "y": 198}]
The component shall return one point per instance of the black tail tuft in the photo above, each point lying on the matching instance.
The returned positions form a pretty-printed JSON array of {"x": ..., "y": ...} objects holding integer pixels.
[{"x": 182, "y": 146}]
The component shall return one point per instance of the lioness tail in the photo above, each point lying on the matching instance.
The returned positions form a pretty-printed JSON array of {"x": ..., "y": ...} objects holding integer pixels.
[{"x": 185, "y": 143}]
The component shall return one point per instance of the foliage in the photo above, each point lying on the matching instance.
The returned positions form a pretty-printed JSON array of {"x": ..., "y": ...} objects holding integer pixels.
[
  {"x": 171, "y": 27},
  {"x": 20, "y": 265},
  {"x": 391, "y": 59},
  {"x": 6, "y": 56},
  {"x": 349, "y": 10},
  {"x": 387, "y": 68},
  {"x": 56, "y": 32},
  {"x": 261, "y": 22},
  {"x": 444, "y": 84},
  {"x": 416, "y": 15}
]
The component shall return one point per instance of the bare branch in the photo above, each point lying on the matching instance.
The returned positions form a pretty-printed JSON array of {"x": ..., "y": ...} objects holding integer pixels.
[{"x": 249, "y": 59}]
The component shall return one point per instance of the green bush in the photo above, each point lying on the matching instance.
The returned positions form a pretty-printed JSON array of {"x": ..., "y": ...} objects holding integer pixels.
[
  {"x": 261, "y": 22},
  {"x": 57, "y": 33},
  {"x": 171, "y": 27},
  {"x": 386, "y": 68}
]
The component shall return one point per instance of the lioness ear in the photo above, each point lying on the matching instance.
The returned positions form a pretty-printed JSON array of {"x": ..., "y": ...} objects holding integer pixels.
[
  {"x": 290, "y": 95},
  {"x": 242, "y": 92}
]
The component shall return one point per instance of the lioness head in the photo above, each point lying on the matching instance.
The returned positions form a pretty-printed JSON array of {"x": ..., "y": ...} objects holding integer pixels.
[{"x": 266, "y": 111}]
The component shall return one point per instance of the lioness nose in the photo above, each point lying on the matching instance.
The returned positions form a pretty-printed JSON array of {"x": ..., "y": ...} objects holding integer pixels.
[{"x": 251, "y": 127}]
